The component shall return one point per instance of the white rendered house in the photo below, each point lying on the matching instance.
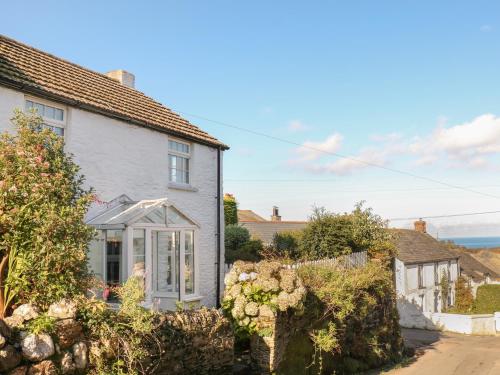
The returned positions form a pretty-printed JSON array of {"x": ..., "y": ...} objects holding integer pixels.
[
  {"x": 158, "y": 177},
  {"x": 421, "y": 263}
]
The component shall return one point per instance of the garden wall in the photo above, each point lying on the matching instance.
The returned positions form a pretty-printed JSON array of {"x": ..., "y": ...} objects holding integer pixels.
[
  {"x": 189, "y": 342},
  {"x": 476, "y": 324},
  {"x": 196, "y": 342}
]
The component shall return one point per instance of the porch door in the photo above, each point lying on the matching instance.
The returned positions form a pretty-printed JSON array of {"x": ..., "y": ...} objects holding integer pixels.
[
  {"x": 166, "y": 267},
  {"x": 113, "y": 257}
]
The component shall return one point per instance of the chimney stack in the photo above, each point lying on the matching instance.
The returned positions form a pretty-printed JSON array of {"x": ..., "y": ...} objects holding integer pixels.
[
  {"x": 122, "y": 76},
  {"x": 420, "y": 226},
  {"x": 275, "y": 216}
]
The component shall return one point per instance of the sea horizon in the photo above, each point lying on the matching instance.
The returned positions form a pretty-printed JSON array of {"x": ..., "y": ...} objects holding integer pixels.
[{"x": 475, "y": 242}]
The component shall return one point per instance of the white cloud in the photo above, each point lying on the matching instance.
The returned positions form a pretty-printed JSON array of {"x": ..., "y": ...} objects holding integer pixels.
[
  {"x": 296, "y": 126},
  {"x": 465, "y": 144},
  {"x": 314, "y": 150},
  {"x": 470, "y": 145},
  {"x": 486, "y": 28}
]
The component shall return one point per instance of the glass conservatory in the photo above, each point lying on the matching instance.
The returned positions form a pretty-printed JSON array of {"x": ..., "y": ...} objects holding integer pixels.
[{"x": 151, "y": 239}]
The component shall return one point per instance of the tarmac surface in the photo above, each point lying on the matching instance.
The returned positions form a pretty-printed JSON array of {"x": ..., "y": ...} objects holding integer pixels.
[{"x": 443, "y": 353}]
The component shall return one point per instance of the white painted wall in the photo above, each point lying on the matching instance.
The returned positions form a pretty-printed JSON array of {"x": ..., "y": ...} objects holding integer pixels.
[
  {"x": 118, "y": 158},
  {"x": 416, "y": 303}
]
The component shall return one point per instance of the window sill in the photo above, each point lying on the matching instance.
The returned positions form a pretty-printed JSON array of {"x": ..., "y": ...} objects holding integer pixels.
[
  {"x": 192, "y": 298},
  {"x": 185, "y": 187}
]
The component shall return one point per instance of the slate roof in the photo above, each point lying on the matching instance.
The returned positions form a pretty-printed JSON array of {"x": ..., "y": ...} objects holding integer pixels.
[
  {"x": 416, "y": 247},
  {"x": 249, "y": 215},
  {"x": 265, "y": 230},
  {"x": 472, "y": 267},
  {"x": 36, "y": 72}
]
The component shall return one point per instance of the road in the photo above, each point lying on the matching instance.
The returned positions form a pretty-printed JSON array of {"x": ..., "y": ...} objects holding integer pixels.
[{"x": 450, "y": 354}]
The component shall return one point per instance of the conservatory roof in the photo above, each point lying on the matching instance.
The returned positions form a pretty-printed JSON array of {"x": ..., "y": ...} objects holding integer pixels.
[{"x": 153, "y": 211}]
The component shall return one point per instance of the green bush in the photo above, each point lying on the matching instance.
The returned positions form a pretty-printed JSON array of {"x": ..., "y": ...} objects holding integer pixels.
[
  {"x": 235, "y": 237},
  {"x": 286, "y": 244},
  {"x": 249, "y": 252},
  {"x": 43, "y": 237},
  {"x": 330, "y": 235},
  {"x": 487, "y": 299},
  {"x": 464, "y": 300}
]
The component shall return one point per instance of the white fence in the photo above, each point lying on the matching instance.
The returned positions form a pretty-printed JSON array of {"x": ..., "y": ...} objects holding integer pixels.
[{"x": 349, "y": 261}]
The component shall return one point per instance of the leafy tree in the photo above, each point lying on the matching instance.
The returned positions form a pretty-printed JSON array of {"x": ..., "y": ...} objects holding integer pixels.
[
  {"x": 43, "y": 238},
  {"x": 230, "y": 210},
  {"x": 445, "y": 290}
]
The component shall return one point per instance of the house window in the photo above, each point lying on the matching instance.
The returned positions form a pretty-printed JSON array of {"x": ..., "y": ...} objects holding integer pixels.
[
  {"x": 54, "y": 118},
  {"x": 139, "y": 253},
  {"x": 189, "y": 262},
  {"x": 178, "y": 160},
  {"x": 420, "y": 276},
  {"x": 436, "y": 274}
]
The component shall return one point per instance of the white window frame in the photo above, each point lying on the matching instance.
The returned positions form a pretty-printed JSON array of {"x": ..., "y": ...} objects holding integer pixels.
[
  {"x": 184, "y": 155},
  {"x": 48, "y": 121},
  {"x": 150, "y": 273}
]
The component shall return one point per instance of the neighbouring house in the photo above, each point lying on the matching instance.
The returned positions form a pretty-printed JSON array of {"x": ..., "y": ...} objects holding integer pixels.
[
  {"x": 157, "y": 176},
  {"x": 265, "y": 230},
  {"x": 421, "y": 263},
  {"x": 474, "y": 271}
]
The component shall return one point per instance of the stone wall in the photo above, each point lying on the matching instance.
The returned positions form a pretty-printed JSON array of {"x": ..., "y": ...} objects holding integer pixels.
[
  {"x": 64, "y": 351},
  {"x": 195, "y": 342},
  {"x": 190, "y": 342}
]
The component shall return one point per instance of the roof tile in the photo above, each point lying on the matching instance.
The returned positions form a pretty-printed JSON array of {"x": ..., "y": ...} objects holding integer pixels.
[{"x": 38, "y": 72}]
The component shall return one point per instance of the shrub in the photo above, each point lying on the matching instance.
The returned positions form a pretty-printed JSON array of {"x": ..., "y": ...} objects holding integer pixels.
[
  {"x": 235, "y": 237},
  {"x": 43, "y": 237},
  {"x": 487, "y": 299},
  {"x": 330, "y": 235},
  {"x": 464, "y": 300},
  {"x": 286, "y": 244},
  {"x": 249, "y": 252},
  {"x": 121, "y": 339}
]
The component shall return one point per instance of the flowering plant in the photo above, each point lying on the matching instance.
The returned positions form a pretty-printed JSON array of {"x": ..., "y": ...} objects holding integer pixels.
[{"x": 255, "y": 292}]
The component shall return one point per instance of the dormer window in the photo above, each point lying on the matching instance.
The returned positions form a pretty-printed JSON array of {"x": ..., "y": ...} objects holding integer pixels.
[
  {"x": 179, "y": 154},
  {"x": 54, "y": 117}
]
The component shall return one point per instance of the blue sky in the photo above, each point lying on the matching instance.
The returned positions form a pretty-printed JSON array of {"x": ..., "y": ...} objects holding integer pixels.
[{"x": 411, "y": 85}]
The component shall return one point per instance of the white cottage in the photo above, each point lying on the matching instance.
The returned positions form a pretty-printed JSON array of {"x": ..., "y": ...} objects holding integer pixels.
[
  {"x": 158, "y": 177},
  {"x": 419, "y": 267}
]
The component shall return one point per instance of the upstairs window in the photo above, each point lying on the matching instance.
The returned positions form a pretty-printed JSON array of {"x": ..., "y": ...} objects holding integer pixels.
[
  {"x": 178, "y": 160},
  {"x": 54, "y": 118}
]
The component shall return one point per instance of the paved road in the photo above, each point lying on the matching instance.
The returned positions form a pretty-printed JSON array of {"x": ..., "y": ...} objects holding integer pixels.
[{"x": 451, "y": 354}]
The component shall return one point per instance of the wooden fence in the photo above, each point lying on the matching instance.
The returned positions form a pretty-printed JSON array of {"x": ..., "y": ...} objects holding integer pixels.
[{"x": 354, "y": 260}]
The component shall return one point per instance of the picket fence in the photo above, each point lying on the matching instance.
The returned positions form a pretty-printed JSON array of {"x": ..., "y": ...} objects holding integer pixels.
[{"x": 354, "y": 260}]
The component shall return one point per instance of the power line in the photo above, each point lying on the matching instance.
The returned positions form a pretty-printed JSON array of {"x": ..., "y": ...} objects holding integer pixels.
[
  {"x": 444, "y": 216},
  {"x": 282, "y": 140}
]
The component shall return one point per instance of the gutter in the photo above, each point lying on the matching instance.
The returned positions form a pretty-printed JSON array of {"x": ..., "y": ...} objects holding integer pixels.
[{"x": 87, "y": 107}]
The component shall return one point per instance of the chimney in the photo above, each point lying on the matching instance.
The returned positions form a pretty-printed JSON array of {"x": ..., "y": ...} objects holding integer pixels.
[
  {"x": 420, "y": 226},
  {"x": 122, "y": 76},
  {"x": 276, "y": 216}
]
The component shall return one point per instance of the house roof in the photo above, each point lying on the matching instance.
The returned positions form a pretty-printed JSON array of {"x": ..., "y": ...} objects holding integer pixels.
[
  {"x": 249, "y": 215},
  {"x": 265, "y": 230},
  {"x": 36, "y": 72},
  {"x": 417, "y": 247},
  {"x": 472, "y": 267}
]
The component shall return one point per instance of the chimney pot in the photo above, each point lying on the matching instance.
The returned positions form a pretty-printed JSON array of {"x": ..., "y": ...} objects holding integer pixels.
[
  {"x": 275, "y": 216},
  {"x": 420, "y": 226},
  {"x": 122, "y": 76}
]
